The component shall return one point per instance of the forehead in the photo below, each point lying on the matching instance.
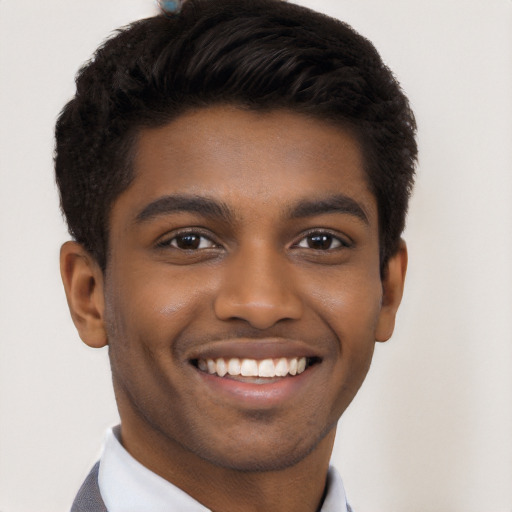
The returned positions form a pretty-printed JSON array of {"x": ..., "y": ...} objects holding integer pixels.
[{"x": 249, "y": 159}]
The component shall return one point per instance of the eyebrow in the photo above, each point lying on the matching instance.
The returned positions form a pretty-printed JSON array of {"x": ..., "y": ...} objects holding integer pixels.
[
  {"x": 211, "y": 208},
  {"x": 184, "y": 203},
  {"x": 338, "y": 203}
]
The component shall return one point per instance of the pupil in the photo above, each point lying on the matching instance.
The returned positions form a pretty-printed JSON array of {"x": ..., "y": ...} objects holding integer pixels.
[
  {"x": 188, "y": 242},
  {"x": 320, "y": 241}
]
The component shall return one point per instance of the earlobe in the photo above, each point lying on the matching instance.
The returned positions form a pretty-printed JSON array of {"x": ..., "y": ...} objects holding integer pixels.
[
  {"x": 83, "y": 284},
  {"x": 392, "y": 291}
]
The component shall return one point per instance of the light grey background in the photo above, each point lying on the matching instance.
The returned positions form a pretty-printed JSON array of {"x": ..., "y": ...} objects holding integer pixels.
[{"x": 431, "y": 430}]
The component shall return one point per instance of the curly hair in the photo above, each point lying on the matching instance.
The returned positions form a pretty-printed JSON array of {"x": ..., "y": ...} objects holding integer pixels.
[{"x": 256, "y": 54}]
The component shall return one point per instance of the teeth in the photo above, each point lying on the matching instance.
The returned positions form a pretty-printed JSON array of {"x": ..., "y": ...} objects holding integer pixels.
[
  {"x": 293, "y": 366},
  {"x": 282, "y": 367},
  {"x": 266, "y": 368},
  {"x": 233, "y": 367},
  {"x": 211, "y": 365},
  {"x": 253, "y": 368},
  {"x": 249, "y": 368},
  {"x": 222, "y": 368}
]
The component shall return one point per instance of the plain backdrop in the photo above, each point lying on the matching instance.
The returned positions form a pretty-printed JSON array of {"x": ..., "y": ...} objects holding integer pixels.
[{"x": 431, "y": 429}]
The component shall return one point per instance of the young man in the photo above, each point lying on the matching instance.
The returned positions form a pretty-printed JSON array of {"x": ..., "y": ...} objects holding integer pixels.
[{"x": 235, "y": 178}]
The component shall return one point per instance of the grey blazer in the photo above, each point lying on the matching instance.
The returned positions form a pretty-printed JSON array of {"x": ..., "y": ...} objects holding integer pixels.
[{"x": 88, "y": 498}]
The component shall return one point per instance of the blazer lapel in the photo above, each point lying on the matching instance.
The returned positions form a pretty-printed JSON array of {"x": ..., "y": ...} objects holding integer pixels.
[{"x": 88, "y": 498}]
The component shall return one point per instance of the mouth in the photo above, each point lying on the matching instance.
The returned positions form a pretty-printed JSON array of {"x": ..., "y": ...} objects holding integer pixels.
[
  {"x": 250, "y": 374},
  {"x": 255, "y": 370}
]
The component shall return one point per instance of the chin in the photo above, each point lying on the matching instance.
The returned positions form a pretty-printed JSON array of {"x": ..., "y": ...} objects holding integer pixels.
[{"x": 270, "y": 454}]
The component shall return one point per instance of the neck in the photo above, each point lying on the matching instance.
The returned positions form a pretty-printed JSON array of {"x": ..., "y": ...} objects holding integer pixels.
[{"x": 299, "y": 487}]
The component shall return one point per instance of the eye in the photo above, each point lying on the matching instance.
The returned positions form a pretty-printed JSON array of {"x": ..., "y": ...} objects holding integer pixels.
[
  {"x": 321, "y": 242},
  {"x": 189, "y": 242}
]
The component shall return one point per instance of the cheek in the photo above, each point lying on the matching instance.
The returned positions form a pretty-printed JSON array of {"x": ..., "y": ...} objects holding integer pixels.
[
  {"x": 144, "y": 317},
  {"x": 349, "y": 304},
  {"x": 147, "y": 312}
]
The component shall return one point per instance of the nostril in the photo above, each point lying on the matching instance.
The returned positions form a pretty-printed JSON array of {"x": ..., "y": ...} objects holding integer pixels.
[{"x": 260, "y": 314}]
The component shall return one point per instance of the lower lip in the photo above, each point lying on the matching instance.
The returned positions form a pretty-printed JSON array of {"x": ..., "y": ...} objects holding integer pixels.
[{"x": 261, "y": 395}]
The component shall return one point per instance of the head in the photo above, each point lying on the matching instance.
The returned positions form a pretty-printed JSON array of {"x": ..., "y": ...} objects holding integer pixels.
[
  {"x": 236, "y": 177},
  {"x": 258, "y": 55}
]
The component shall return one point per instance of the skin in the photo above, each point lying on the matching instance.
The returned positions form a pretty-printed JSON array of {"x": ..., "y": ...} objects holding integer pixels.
[{"x": 282, "y": 259}]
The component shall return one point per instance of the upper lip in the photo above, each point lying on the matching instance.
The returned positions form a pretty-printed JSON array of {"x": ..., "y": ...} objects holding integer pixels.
[{"x": 244, "y": 348}]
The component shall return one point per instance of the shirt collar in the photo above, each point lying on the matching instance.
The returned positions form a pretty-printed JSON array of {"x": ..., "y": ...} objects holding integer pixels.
[{"x": 128, "y": 486}]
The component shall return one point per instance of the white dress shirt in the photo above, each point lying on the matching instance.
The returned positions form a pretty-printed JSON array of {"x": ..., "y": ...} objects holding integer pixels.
[{"x": 128, "y": 486}]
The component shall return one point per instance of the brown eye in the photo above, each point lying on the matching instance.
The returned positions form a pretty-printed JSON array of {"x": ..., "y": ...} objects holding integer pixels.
[
  {"x": 191, "y": 242},
  {"x": 320, "y": 242}
]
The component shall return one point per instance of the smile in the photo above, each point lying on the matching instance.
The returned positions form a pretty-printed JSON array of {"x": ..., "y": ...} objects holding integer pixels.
[
  {"x": 261, "y": 375},
  {"x": 266, "y": 368}
]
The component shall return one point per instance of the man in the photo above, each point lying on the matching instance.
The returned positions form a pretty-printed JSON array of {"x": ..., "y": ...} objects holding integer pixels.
[{"x": 235, "y": 177}]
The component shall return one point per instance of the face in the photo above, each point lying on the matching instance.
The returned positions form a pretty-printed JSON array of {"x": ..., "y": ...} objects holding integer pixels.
[{"x": 242, "y": 294}]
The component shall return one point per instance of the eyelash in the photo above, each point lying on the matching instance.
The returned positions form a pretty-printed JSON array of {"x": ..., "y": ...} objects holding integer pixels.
[
  {"x": 342, "y": 242},
  {"x": 168, "y": 241},
  {"x": 330, "y": 238}
]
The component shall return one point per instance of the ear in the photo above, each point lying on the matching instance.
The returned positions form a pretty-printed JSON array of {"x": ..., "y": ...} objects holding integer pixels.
[
  {"x": 392, "y": 290},
  {"x": 83, "y": 283}
]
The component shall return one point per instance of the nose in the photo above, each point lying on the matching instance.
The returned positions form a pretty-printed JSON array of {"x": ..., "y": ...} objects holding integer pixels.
[{"x": 258, "y": 287}]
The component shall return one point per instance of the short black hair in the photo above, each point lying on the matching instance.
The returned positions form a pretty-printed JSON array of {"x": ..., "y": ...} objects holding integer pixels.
[{"x": 255, "y": 54}]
